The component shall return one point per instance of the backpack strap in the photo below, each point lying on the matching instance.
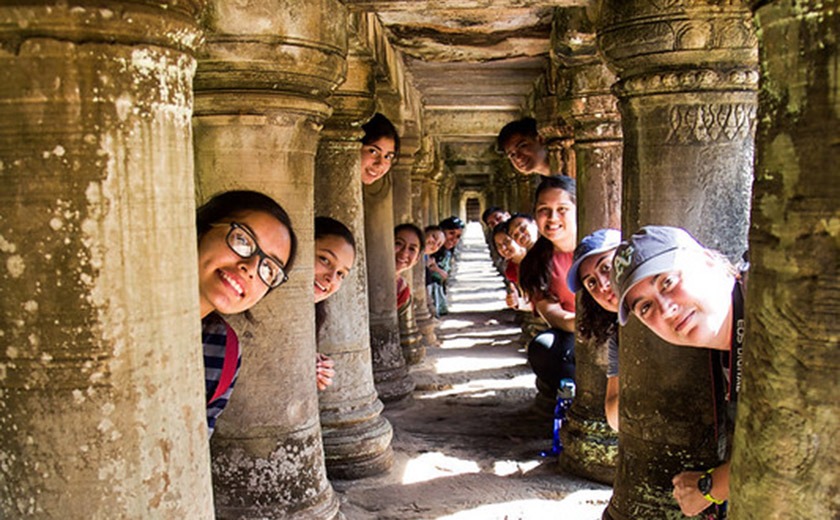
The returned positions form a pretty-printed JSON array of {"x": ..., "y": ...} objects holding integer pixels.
[{"x": 229, "y": 364}]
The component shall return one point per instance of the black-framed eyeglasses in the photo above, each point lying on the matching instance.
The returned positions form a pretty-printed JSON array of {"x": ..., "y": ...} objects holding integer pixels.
[{"x": 241, "y": 241}]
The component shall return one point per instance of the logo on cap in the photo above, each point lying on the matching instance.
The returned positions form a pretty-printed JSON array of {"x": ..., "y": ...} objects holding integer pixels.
[{"x": 622, "y": 261}]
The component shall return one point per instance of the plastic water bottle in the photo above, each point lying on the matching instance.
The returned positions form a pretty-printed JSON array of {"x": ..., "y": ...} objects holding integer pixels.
[{"x": 565, "y": 396}]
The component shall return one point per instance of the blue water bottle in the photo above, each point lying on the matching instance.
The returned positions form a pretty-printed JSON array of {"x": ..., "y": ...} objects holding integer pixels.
[{"x": 565, "y": 395}]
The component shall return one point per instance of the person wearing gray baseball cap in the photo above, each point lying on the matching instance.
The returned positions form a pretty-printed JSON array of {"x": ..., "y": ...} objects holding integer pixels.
[
  {"x": 690, "y": 296},
  {"x": 597, "y": 306}
]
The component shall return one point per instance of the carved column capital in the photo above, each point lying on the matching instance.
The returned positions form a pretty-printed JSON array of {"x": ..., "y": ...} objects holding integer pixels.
[
  {"x": 641, "y": 37},
  {"x": 279, "y": 59}
]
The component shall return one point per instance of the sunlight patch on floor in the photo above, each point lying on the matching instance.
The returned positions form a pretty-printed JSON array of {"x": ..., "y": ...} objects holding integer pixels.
[
  {"x": 451, "y": 365},
  {"x": 429, "y": 466},
  {"x": 581, "y": 505},
  {"x": 481, "y": 387},
  {"x": 449, "y": 324},
  {"x": 504, "y": 468}
]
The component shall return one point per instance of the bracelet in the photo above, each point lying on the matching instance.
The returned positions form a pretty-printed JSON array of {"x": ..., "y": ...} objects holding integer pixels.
[{"x": 708, "y": 496}]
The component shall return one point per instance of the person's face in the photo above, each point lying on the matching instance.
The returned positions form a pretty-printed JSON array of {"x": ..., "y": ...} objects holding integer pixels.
[
  {"x": 496, "y": 218},
  {"x": 506, "y": 247},
  {"x": 686, "y": 306},
  {"x": 228, "y": 283},
  {"x": 594, "y": 273},
  {"x": 525, "y": 153},
  {"x": 377, "y": 158},
  {"x": 334, "y": 258},
  {"x": 406, "y": 249},
  {"x": 524, "y": 232},
  {"x": 452, "y": 237},
  {"x": 555, "y": 215},
  {"x": 433, "y": 242}
]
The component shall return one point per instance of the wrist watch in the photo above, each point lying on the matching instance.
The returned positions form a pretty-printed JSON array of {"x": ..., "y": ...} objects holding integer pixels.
[{"x": 704, "y": 484}]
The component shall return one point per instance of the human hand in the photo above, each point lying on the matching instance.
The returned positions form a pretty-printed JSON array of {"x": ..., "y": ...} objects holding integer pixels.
[
  {"x": 687, "y": 494},
  {"x": 511, "y": 300},
  {"x": 324, "y": 371}
]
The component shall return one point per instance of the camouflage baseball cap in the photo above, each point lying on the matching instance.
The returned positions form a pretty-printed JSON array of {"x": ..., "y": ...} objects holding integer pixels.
[{"x": 650, "y": 251}]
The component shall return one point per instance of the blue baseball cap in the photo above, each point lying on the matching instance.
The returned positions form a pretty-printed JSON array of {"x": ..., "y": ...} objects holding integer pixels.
[
  {"x": 592, "y": 244},
  {"x": 650, "y": 251}
]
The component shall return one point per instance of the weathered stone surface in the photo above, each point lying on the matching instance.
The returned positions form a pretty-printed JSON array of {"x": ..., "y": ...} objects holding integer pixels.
[
  {"x": 356, "y": 437},
  {"x": 99, "y": 321},
  {"x": 686, "y": 87},
  {"x": 389, "y": 369},
  {"x": 260, "y": 103},
  {"x": 788, "y": 415}
]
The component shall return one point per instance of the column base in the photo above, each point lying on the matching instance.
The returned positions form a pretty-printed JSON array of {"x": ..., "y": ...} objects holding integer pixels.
[
  {"x": 359, "y": 451},
  {"x": 590, "y": 448}
]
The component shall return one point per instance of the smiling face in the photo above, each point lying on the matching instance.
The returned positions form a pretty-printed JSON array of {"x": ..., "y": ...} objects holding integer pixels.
[
  {"x": 554, "y": 212},
  {"x": 524, "y": 232},
  {"x": 496, "y": 218},
  {"x": 594, "y": 273},
  {"x": 377, "y": 158},
  {"x": 334, "y": 258},
  {"x": 406, "y": 249},
  {"x": 507, "y": 248},
  {"x": 526, "y": 154},
  {"x": 434, "y": 241},
  {"x": 689, "y": 305},
  {"x": 228, "y": 283},
  {"x": 453, "y": 236}
]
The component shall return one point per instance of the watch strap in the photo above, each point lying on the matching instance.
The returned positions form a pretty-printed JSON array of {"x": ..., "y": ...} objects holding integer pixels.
[{"x": 708, "y": 496}]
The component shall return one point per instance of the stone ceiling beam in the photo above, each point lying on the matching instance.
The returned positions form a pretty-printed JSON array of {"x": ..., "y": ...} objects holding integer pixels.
[{"x": 467, "y": 125}]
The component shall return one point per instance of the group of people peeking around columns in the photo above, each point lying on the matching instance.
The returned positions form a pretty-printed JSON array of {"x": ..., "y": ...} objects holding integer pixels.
[
  {"x": 247, "y": 247},
  {"x": 687, "y": 294}
]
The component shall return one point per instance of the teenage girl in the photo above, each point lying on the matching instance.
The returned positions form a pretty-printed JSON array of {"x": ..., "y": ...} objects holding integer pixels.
[
  {"x": 335, "y": 252},
  {"x": 246, "y": 248},
  {"x": 542, "y": 276},
  {"x": 380, "y": 148},
  {"x": 599, "y": 304}
]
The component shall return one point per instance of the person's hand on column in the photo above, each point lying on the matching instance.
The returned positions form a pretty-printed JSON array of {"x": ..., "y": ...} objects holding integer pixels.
[
  {"x": 324, "y": 371},
  {"x": 687, "y": 494}
]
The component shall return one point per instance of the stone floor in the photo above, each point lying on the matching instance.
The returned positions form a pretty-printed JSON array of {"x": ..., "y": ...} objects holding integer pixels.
[{"x": 467, "y": 446}]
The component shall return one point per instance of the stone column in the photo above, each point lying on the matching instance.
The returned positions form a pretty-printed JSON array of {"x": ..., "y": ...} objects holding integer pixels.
[
  {"x": 687, "y": 95},
  {"x": 785, "y": 461},
  {"x": 422, "y": 195},
  {"x": 260, "y": 102},
  {"x": 389, "y": 369},
  {"x": 357, "y": 439},
  {"x": 584, "y": 98},
  {"x": 412, "y": 341},
  {"x": 102, "y": 408}
]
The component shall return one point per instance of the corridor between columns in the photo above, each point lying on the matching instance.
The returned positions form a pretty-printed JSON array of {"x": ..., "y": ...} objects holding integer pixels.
[{"x": 468, "y": 445}]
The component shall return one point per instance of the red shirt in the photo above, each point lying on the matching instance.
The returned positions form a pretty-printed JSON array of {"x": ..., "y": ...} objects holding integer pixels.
[
  {"x": 560, "y": 265},
  {"x": 512, "y": 272}
]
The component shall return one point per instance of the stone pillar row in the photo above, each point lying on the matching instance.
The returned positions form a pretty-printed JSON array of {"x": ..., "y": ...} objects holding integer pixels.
[
  {"x": 686, "y": 86},
  {"x": 584, "y": 99},
  {"x": 261, "y": 91},
  {"x": 356, "y": 437}
]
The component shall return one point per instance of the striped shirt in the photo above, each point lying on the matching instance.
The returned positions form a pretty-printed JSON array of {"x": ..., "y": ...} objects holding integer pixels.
[{"x": 213, "y": 339}]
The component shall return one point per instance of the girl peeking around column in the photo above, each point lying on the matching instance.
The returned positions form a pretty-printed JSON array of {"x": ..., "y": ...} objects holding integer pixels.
[
  {"x": 246, "y": 248},
  {"x": 452, "y": 228},
  {"x": 542, "y": 276},
  {"x": 335, "y": 252},
  {"x": 380, "y": 148},
  {"x": 599, "y": 304},
  {"x": 689, "y": 296},
  {"x": 408, "y": 246},
  {"x": 513, "y": 254}
]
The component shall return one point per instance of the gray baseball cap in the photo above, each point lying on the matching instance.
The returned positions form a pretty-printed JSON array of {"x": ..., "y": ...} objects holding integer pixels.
[{"x": 650, "y": 251}]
